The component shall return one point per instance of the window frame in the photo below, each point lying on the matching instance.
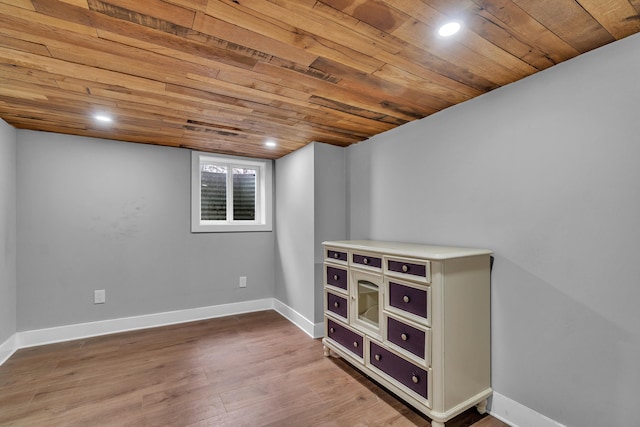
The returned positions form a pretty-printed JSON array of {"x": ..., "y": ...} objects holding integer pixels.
[{"x": 264, "y": 194}]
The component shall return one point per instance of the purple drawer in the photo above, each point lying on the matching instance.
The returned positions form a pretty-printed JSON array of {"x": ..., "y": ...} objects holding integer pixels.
[
  {"x": 345, "y": 337},
  {"x": 403, "y": 371},
  {"x": 367, "y": 260},
  {"x": 337, "y": 305},
  {"x": 337, "y": 255},
  {"x": 405, "y": 336},
  {"x": 408, "y": 299},
  {"x": 407, "y": 268},
  {"x": 337, "y": 277}
]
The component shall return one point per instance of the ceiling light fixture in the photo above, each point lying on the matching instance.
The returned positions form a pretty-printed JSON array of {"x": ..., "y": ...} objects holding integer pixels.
[
  {"x": 103, "y": 118},
  {"x": 270, "y": 144},
  {"x": 449, "y": 29}
]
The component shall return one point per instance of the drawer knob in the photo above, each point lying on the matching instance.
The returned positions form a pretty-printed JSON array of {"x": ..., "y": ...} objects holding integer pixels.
[
  {"x": 365, "y": 261},
  {"x": 415, "y": 379},
  {"x": 355, "y": 344},
  {"x": 405, "y": 268},
  {"x": 336, "y": 277},
  {"x": 377, "y": 357},
  {"x": 332, "y": 330},
  {"x": 335, "y": 255},
  {"x": 404, "y": 337},
  {"x": 336, "y": 304},
  {"x": 406, "y": 298}
]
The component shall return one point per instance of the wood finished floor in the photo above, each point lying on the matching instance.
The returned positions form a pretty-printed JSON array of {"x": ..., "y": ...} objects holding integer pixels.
[{"x": 255, "y": 369}]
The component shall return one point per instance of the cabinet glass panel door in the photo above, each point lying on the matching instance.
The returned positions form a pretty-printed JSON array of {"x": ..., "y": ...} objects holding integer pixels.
[
  {"x": 368, "y": 297},
  {"x": 366, "y": 302}
]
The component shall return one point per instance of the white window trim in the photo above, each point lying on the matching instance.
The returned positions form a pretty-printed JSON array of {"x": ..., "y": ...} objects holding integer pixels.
[{"x": 264, "y": 201}]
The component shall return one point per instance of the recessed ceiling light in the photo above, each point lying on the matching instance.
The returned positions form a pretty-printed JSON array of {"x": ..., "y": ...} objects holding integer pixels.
[
  {"x": 270, "y": 144},
  {"x": 103, "y": 118},
  {"x": 449, "y": 29}
]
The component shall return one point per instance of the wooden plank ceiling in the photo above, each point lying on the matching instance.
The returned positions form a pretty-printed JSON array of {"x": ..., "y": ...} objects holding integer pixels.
[{"x": 227, "y": 75}]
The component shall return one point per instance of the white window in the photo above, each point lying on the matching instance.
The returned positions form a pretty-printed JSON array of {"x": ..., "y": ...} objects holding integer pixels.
[{"x": 230, "y": 193}]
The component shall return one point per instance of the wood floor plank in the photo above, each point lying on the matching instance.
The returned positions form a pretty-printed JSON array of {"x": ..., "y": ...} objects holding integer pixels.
[{"x": 255, "y": 369}]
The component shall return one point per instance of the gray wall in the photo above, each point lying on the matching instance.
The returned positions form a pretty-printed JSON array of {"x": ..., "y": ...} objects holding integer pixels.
[
  {"x": 310, "y": 208},
  {"x": 7, "y": 231},
  {"x": 330, "y": 210},
  {"x": 546, "y": 173},
  {"x": 294, "y": 274},
  {"x": 99, "y": 214}
]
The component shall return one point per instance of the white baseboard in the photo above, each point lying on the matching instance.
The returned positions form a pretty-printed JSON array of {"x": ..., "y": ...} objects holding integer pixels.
[
  {"x": 518, "y": 415},
  {"x": 314, "y": 330},
  {"x": 318, "y": 330},
  {"x": 7, "y": 348},
  {"x": 104, "y": 327},
  {"x": 91, "y": 329}
]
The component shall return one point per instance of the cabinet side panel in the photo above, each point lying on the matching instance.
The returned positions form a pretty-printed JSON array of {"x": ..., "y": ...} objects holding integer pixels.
[{"x": 467, "y": 333}]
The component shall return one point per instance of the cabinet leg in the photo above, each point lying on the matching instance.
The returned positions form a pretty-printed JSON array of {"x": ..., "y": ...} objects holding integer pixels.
[
  {"x": 482, "y": 407},
  {"x": 327, "y": 351},
  {"x": 435, "y": 423}
]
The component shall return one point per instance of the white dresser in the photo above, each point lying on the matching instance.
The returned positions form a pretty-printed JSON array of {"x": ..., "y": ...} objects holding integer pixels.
[{"x": 415, "y": 318}]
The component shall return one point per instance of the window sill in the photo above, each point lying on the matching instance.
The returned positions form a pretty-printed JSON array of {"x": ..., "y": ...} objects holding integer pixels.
[{"x": 228, "y": 228}]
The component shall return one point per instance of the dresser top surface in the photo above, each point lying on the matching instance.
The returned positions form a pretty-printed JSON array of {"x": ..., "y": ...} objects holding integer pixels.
[{"x": 408, "y": 249}]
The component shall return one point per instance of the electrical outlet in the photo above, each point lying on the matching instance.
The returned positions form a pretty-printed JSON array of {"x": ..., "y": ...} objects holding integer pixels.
[
  {"x": 99, "y": 296},
  {"x": 243, "y": 281}
]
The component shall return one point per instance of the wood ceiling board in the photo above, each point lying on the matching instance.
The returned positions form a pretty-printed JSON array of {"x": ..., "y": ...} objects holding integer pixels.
[
  {"x": 319, "y": 25},
  {"x": 568, "y": 20},
  {"x": 80, "y": 3},
  {"x": 291, "y": 35},
  {"x": 15, "y": 72},
  {"x": 230, "y": 33},
  {"x": 399, "y": 76},
  {"x": 22, "y": 92},
  {"x": 23, "y": 45},
  {"x": 23, "y": 4},
  {"x": 381, "y": 88},
  {"x": 264, "y": 93},
  {"x": 456, "y": 74},
  {"x": 196, "y": 5},
  {"x": 148, "y": 9},
  {"x": 23, "y": 19},
  {"x": 452, "y": 52},
  {"x": 165, "y": 36},
  {"x": 328, "y": 90},
  {"x": 524, "y": 28},
  {"x": 377, "y": 14},
  {"x": 431, "y": 19},
  {"x": 224, "y": 75},
  {"x": 619, "y": 18}
]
